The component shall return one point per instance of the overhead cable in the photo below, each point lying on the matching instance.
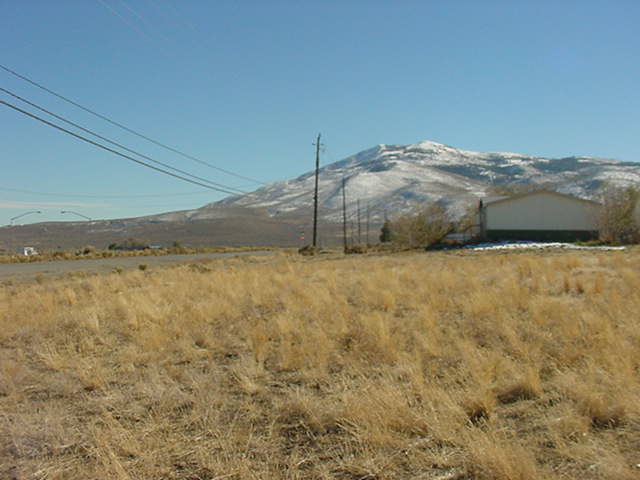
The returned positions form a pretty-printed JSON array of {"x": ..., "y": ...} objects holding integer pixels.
[
  {"x": 121, "y": 17},
  {"x": 69, "y": 122},
  {"x": 80, "y": 195},
  {"x": 115, "y": 152},
  {"x": 133, "y": 132}
]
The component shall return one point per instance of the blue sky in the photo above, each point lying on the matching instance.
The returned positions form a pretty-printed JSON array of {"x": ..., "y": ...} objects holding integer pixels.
[{"x": 247, "y": 86}]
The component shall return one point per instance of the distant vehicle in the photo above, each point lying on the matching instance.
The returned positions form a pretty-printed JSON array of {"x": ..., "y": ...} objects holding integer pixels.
[{"x": 27, "y": 251}]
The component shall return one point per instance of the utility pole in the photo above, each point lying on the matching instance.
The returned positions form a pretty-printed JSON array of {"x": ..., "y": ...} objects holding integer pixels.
[
  {"x": 344, "y": 215},
  {"x": 359, "y": 226},
  {"x": 315, "y": 194},
  {"x": 368, "y": 218}
]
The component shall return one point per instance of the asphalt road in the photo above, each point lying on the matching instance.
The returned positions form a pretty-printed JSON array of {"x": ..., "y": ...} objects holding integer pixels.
[{"x": 26, "y": 271}]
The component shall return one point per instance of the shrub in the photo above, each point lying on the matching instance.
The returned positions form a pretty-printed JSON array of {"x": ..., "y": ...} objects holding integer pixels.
[
  {"x": 356, "y": 249},
  {"x": 88, "y": 250},
  {"x": 308, "y": 250},
  {"x": 619, "y": 220},
  {"x": 130, "y": 244},
  {"x": 424, "y": 227}
]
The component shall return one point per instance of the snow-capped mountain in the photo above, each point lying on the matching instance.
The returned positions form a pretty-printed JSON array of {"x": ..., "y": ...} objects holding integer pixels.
[
  {"x": 395, "y": 178},
  {"x": 388, "y": 179}
]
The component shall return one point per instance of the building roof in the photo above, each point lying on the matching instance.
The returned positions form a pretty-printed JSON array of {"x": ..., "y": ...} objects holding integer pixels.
[{"x": 494, "y": 200}]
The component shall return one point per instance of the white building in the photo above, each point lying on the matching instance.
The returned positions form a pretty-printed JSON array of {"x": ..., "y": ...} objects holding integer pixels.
[{"x": 543, "y": 216}]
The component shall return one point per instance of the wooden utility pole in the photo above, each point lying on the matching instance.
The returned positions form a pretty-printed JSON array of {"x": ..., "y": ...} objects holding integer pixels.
[
  {"x": 359, "y": 226},
  {"x": 368, "y": 220},
  {"x": 344, "y": 215},
  {"x": 315, "y": 194}
]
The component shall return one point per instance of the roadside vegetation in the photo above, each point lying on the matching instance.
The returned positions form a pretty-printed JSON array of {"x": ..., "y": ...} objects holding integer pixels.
[
  {"x": 512, "y": 366},
  {"x": 428, "y": 226},
  {"x": 423, "y": 227},
  {"x": 619, "y": 220},
  {"x": 129, "y": 248}
]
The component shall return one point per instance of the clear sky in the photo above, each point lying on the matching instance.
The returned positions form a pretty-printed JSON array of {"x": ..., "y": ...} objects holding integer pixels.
[{"x": 247, "y": 85}]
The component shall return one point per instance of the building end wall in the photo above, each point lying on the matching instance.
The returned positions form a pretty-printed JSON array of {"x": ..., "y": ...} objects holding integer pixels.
[
  {"x": 542, "y": 235},
  {"x": 542, "y": 212}
]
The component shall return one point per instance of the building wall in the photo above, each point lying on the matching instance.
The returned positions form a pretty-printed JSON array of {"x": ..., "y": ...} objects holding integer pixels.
[
  {"x": 542, "y": 212},
  {"x": 542, "y": 235}
]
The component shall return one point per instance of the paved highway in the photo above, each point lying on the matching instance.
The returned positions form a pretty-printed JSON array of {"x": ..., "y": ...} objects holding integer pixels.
[{"x": 26, "y": 271}]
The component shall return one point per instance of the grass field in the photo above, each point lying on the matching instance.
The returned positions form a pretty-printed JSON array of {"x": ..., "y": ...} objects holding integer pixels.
[{"x": 514, "y": 366}]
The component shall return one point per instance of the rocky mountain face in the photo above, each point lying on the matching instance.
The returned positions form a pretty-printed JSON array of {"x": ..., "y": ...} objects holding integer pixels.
[{"x": 395, "y": 178}]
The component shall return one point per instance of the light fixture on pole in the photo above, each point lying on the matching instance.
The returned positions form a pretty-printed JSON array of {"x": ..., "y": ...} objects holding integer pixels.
[
  {"x": 23, "y": 215},
  {"x": 76, "y": 213}
]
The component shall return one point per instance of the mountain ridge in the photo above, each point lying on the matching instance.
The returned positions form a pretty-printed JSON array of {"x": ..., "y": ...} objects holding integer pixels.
[
  {"x": 401, "y": 177},
  {"x": 386, "y": 180}
]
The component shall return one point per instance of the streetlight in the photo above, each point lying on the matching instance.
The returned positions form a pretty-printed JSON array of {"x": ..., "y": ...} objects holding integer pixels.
[
  {"x": 76, "y": 213},
  {"x": 23, "y": 215}
]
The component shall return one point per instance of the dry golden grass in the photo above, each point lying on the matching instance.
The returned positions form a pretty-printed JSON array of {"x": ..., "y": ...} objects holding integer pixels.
[{"x": 410, "y": 366}]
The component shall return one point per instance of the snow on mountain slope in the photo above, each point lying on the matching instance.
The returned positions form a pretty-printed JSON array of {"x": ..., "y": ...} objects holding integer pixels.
[{"x": 395, "y": 178}]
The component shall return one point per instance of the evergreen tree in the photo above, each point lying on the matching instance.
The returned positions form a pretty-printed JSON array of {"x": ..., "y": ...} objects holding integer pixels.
[{"x": 385, "y": 232}]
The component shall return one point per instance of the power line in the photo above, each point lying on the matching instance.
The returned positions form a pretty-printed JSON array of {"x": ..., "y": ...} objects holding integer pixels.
[
  {"x": 177, "y": 15},
  {"x": 133, "y": 132},
  {"x": 173, "y": 206},
  {"x": 120, "y": 154},
  {"x": 132, "y": 10},
  {"x": 144, "y": 21},
  {"x": 80, "y": 195},
  {"x": 69, "y": 122},
  {"x": 131, "y": 24},
  {"x": 121, "y": 17}
]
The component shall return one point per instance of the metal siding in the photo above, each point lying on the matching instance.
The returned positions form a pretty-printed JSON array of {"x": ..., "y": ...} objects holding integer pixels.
[{"x": 542, "y": 211}]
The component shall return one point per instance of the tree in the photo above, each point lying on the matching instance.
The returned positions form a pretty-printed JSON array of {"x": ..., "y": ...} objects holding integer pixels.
[
  {"x": 423, "y": 227},
  {"x": 385, "y": 232},
  {"x": 469, "y": 220},
  {"x": 619, "y": 220},
  {"x": 513, "y": 189}
]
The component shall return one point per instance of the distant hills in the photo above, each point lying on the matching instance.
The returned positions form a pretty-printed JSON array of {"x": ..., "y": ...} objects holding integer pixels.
[{"x": 385, "y": 179}]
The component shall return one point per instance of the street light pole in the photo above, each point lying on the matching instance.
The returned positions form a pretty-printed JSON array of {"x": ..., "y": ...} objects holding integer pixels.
[
  {"x": 76, "y": 213},
  {"x": 23, "y": 215}
]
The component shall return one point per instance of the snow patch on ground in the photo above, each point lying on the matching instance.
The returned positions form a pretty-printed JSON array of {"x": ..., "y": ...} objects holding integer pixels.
[{"x": 535, "y": 246}]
